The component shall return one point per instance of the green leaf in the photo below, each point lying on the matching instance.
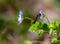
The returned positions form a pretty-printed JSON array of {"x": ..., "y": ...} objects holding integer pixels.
[
  {"x": 50, "y": 31},
  {"x": 27, "y": 42},
  {"x": 40, "y": 32},
  {"x": 54, "y": 40},
  {"x": 45, "y": 27}
]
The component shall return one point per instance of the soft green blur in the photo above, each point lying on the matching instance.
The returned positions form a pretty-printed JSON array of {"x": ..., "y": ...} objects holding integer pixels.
[{"x": 8, "y": 20}]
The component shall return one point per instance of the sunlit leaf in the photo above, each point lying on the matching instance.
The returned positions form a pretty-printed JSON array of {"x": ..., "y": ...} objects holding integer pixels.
[
  {"x": 27, "y": 42},
  {"x": 54, "y": 40}
]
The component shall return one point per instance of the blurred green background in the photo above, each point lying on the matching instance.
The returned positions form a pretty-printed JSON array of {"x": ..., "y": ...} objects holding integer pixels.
[{"x": 9, "y": 11}]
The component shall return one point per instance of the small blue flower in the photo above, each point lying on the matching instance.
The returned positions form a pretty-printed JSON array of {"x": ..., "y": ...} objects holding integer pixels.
[
  {"x": 20, "y": 18},
  {"x": 42, "y": 14}
]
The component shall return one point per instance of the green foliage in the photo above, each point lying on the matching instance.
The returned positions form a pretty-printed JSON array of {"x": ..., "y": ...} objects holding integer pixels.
[
  {"x": 57, "y": 3},
  {"x": 25, "y": 26},
  {"x": 1, "y": 23},
  {"x": 27, "y": 42},
  {"x": 3, "y": 36},
  {"x": 39, "y": 27},
  {"x": 53, "y": 27}
]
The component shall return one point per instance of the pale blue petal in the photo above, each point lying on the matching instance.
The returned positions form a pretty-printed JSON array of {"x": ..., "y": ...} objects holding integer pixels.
[
  {"x": 41, "y": 17},
  {"x": 20, "y": 18},
  {"x": 41, "y": 12},
  {"x": 20, "y": 13}
]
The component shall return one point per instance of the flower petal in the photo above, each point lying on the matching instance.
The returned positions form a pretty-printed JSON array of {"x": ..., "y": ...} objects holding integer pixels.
[{"x": 20, "y": 18}]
